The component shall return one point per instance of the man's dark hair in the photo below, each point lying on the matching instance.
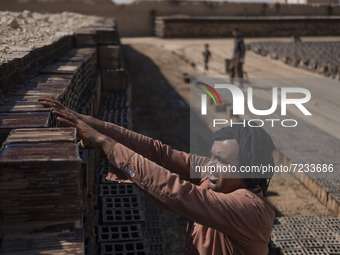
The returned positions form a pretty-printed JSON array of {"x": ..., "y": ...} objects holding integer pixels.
[{"x": 255, "y": 149}]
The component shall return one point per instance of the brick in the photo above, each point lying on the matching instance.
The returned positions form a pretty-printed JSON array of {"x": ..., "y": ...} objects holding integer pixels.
[
  {"x": 109, "y": 56},
  {"x": 156, "y": 244},
  {"x": 310, "y": 243},
  {"x": 120, "y": 202},
  {"x": 333, "y": 249},
  {"x": 316, "y": 251},
  {"x": 288, "y": 244},
  {"x": 293, "y": 252},
  {"x": 303, "y": 234},
  {"x": 113, "y": 79},
  {"x": 119, "y": 189},
  {"x": 131, "y": 248},
  {"x": 316, "y": 225},
  {"x": 329, "y": 240},
  {"x": 120, "y": 233},
  {"x": 282, "y": 236},
  {"x": 122, "y": 216}
]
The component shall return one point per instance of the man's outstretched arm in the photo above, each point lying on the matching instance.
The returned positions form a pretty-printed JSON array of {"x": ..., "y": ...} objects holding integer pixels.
[{"x": 151, "y": 149}]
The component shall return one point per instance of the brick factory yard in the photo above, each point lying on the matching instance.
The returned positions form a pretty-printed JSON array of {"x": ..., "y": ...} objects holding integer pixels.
[{"x": 157, "y": 66}]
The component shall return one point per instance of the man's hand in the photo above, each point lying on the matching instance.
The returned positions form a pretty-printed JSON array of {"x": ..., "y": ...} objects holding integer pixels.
[
  {"x": 91, "y": 138},
  {"x": 241, "y": 60},
  {"x": 53, "y": 103}
]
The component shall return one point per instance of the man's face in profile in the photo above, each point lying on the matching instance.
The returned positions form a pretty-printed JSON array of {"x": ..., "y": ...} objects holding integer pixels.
[{"x": 224, "y": 153}]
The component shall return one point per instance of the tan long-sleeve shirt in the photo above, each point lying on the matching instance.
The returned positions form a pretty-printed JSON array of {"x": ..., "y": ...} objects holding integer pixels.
[{"x": 234, "y": 223}]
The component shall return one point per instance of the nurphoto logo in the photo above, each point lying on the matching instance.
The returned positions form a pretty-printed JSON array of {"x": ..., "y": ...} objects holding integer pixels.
[{"x": 238, "y": 103}]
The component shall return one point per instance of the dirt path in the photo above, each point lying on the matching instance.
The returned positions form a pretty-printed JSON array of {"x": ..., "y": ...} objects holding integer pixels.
[{"x": 160, "y": 100}]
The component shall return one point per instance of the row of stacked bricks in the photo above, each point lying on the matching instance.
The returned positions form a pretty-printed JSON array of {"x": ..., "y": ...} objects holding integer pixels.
[
  {"x": 128, "y": 222},
  {"x": 46, "y": 190},
  {"x": 307, "y": 235},
  {"x": 25, "y": 63},
  {"x": 320, "y": 57}
]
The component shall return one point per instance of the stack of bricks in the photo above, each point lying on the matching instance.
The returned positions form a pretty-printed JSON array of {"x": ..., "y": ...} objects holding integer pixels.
[
  {"x": 319, "y": 57},
  {"x": 44, "y": 160},
  {"x": 109, "y": 54},
  {"x": 66, "y": 81},
  {"x": 23, "y": 62},
  {"x": 40, "y": 192},
  {"x": 184, "y": 26},
  {"x": 306, "y": 235},
  {"x": 121, "y": 222}
]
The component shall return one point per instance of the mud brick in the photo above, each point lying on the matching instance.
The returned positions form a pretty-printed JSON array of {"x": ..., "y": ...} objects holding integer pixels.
[
  {"x": 34, "y": 135},
  {"x": 22, "y": 106},
  {"x": 85, "y": 37},
  {"x": 107, "y": 35},
  {"x": 22, "y": 65},
  {"x": 316, "y": 225},
  {"x": 117, "y": 116},
  {"x": 119, "y": 189},
  {"x": 7, "y": 75},
  {"x": 109, "y": 56},
  {"x": 329, "y": 240},
  {"x": 64, "y": 44},
  {"x": 52, "y": 52},
  {"x": 40, "y": 184},
  {"x": 122, "y": 216},
  {"x": 47, "y": 242},
  {"x": 288, "y": 244},
  {"x": 331, "y": 221},
  {"x": 120, "y": 202},
  {"x": 282, "y": 236},
  {"x": 41, "y": 57},
  {"x": 293, "y": 252},
  {"x": 316, "y": 251},
  {"x": 304, "y": 234},
  {"x": 115, "y": 100},
  {"x": 279, "y": 228},
  {"x": 297, "y": 227},
  {"x": 333, "y": 249},
  {"x": 62, "y": 68},
  {"x": 310, "y": 243},
  {"x": 131, "y": 248},
  {"x": 120, "y": 233},
  {"x": 11, "y": 121},
  {"x": 308, "y": 218},
  {"x": 156, "y": 244},
  {"x": 113, "y": 79},
  {"x": 324, "y": 232},
  {"x": 290, "y": 220}
]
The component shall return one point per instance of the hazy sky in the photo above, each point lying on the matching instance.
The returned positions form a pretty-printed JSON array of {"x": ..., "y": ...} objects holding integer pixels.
[{"x": 129, "y": 1}]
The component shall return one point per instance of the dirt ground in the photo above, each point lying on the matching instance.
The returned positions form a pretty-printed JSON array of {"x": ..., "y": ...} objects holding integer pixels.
[{"x": 160, "y": 109}]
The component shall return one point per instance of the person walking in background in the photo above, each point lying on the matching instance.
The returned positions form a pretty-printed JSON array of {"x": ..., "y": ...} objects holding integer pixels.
[
  {"x": 236, "y": 66},
  {"x": 206, "y": 56}
]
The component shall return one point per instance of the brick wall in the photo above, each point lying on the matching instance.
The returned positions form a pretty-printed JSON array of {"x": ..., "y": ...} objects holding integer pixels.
[
  {"x": 174, "y": 26},
  {"x": 137, "y": 19}
]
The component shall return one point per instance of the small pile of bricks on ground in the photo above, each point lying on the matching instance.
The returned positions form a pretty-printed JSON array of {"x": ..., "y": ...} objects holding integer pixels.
[
  {"x": 307, "y": 235},
  {"x": 320, "y": 57},
  {"x": 47, "y": 183}
]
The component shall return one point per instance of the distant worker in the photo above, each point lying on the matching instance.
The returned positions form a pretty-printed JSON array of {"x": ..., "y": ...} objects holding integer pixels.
[
  {"x": 236, "y": 65},
  {"x": 206, "y": 56}
]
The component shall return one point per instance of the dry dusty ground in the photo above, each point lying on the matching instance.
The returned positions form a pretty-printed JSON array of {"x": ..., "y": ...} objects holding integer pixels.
[{"x": 160, "y": 100}]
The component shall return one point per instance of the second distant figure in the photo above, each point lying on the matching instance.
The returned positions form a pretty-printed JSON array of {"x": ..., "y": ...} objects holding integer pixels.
[
  {"x": 236, "y": 65},
  {"x": 206, "y": 56}
]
